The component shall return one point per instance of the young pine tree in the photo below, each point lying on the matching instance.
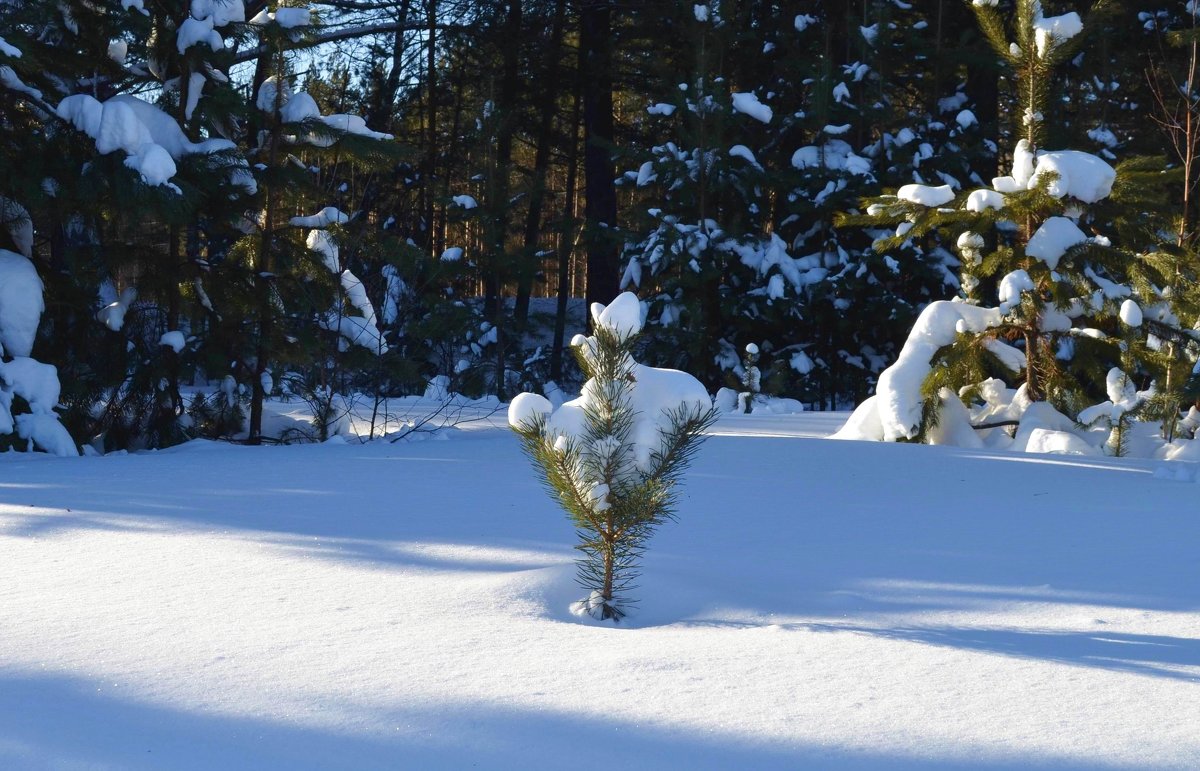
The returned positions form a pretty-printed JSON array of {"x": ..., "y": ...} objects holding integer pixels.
[{"x": 613, "y": 456}]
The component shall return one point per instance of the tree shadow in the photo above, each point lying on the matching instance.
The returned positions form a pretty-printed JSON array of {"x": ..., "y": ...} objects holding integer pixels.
[
  {"x": 1140, "y": 654},
  {"x": 57, "y": 722}
]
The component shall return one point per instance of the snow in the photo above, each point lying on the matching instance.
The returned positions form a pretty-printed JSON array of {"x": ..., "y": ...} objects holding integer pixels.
[
  {"x": 9, "y": 50},
  {"x": 301, "y": 106},
  {"x": 273, "y": 90},
  {"x": 350, "y": 124},
  {"x": 1131, "y": 313},
  {"x": 453, "y": 254},
  {"x": 983, "y": 199},
  {"x": 527, "y": 408},
  {"x": 174, "y": 339},
  {"x": 465, "y": 201},
  {"x": 747, "y": 104},
  {"x": 194, "y": 32},
  {"x": 622, "y": 316},
  {"x": 221, "y": 12},
  {"x": 897, "y": 403},
  {"x": 38, "y": 385},
  {"x": 362, "y": 330},
  {"x": 966, "y": 119},
  {"x": 1055, "y": 29},
  {"x": 662, "y": 108},
  {"x": 369, "y": 603},
  {"x": 1080, "y": 175},
  {"x": 1023, "y": 164},
  {"x": 700, "y": 12},
  {"x": 112, "y": 315},
  {"x": 288, "y": 18},
  {"x": 803, "y": 21},
  {"x": 33, "y": 381},
  {"x": 330, "y": 215},
  {"x": 645, "y": 174},
  {"x": 118, "y": 50},
  {"x": 1011, "y": 287},
  {"x": 743, "y": 152},
  {"x": 195, "y": 90},
  {"x": 152, "y": 139},
  {"x": 926, "y": 195},
  {"x": 21, "y": 304},
  {"x": 355, "y": 330},
  {"x": 1052, "y": 240},
  {"x": 835, "y": 155},
  {"x": 1006, "y": 184},
  {"x": 652, "y": 395},
  {"x": 321, "y": 243}
]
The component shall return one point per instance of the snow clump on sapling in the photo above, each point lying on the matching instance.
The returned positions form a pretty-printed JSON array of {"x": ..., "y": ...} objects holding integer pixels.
[{"x": 613, "y": 456}]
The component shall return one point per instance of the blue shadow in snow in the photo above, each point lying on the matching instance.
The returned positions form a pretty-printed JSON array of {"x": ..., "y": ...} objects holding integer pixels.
[
  {"x": 53, "y": 722},
  {"x": 1139, "y": 654}
]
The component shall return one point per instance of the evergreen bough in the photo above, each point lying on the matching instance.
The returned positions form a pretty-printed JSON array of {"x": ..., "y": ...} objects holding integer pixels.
[
  {"x": 613, "y": 457},
  {"x": 1062, "y": 276}
]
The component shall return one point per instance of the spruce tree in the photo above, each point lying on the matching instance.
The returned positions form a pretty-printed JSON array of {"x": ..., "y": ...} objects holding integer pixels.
[{"x": 1057, "y": 286}]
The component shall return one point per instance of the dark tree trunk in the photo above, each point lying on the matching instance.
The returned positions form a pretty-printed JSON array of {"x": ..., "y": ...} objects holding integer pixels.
[
  {"x": 429, "y": 170},
  {"x": 566, "y": 245},
  {"x": 600, "y": 194},
  {"x": 498, "y": 204},
  {"x": 547, "y": 98}
]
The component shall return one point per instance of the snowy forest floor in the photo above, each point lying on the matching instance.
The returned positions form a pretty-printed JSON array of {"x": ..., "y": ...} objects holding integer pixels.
[{"x": 819, "y": 604}]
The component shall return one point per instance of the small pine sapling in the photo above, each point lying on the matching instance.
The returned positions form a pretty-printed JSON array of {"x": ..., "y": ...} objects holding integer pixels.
[{"x": 613, "y": 456}]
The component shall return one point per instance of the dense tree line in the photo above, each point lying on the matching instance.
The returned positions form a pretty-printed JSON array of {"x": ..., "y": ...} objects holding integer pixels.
[{"x": 481, "y": 167}]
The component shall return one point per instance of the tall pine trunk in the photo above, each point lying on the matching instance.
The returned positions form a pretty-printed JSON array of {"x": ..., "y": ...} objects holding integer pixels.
[
  {"x": 600, "y": 193},
  {"x": 547, "y": 99}
]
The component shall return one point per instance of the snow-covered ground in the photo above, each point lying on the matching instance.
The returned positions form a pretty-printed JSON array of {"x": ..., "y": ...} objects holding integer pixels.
[{"x": 820, "y": 604}]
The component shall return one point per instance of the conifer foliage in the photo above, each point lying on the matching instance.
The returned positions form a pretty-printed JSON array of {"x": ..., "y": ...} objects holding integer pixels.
[
  {"x": 1061, "y": 282},
  {"x": 613, "y": 456}
]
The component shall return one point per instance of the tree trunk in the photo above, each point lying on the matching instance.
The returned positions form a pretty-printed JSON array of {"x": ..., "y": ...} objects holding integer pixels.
[
  {"x": 498, "y": 203},
  {"x": 547, "y": 98},
  {"x": 430, "y": 165},
  {"x": 265, "y": 280},
  {"x": 565, "y": 248},
  {"x": 600, "y": 194}
]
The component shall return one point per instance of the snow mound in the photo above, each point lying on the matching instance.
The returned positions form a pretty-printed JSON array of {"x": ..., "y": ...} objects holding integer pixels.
[
  {"x": 1055, "y": 29},
  {"x": 748, "y": 104},
  {"x": 21, "y": 304},
  {"x": 982, "y": 199},
  {"x": 173, "y": 340},
  {"x": 899, "y": 390},
  {"x": 926, "y": 195},
  {"x": 151, "y": 138},
  {"x": 526, "y": 408},
  {"x": 1052, "y": 240},
  {"x": 622, "y": 316},
  {"x": 330, "y": 215},
  {"x": 1080, "y": 175}
]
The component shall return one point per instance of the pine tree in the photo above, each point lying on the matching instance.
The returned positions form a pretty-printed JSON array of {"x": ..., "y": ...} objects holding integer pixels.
[{"x": 612, "y": 457}]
